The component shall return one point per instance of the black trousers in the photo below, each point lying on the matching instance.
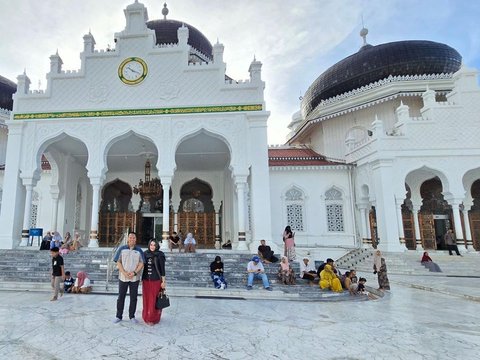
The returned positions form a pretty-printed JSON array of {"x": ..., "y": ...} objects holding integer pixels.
[
  {"x": 122, "y": 293},
  {"x": 453, "y": 247}
]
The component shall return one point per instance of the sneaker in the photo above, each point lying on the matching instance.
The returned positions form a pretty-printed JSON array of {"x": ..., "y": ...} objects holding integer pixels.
[
  {"x": 134, "y": 321},
  {"x": 117, "y": 320},
  {"x": 269, "y": 289},
  {"x": 53, "y": 298},
  {"x": 222, "y": 286},
  {"x": 249, "y": 287}
]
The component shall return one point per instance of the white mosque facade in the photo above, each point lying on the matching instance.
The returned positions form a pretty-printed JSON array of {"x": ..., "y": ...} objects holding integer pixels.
[{"x": 153, "y": 136}]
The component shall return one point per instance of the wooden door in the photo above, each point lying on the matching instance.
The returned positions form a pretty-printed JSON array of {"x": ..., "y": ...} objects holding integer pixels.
[
  {"x": 409, "y": 230},
  {"x": 475, "y": 228},
  {"x": 112, "y": 226},
  {"x": 201, "y": 225},
  {"x": 427, "y": 231},
  {"x": 372, "y": 216}
]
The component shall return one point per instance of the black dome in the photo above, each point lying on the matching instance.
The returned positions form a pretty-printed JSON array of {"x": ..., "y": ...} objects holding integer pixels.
[
  {"x": 166, "y": 33},
  {"x": 7, "y": 89},
  {"x": 374, "y": 63}
]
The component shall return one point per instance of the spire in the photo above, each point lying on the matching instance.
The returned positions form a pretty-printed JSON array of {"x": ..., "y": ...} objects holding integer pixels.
[
  {"x": 363, "y": 34},
  {"x": 165, "y": 11}
]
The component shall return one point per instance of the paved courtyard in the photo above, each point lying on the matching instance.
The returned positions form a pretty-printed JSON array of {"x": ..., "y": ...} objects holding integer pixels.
[{"x": 407, "y": 324}]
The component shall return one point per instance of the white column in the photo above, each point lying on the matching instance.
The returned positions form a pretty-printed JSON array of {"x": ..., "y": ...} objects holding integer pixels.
[
  {"x": 457, "y": 221},
  {"x": 468, "y": 231},
  {"x": 175, "y": 222},
  {"x": 416, "y": 224},
  {"x": 166, "y": 182},
  {"x": 26, "y": 214},
  {"x": 386, "y": 212},
  {"x": 363, "y": 224},
  {"x": 55, "y": 192},
  {"x": 240, "y": 188},
  {"x": 95, "y": 208},
  {"x": 401, "y": 233}
]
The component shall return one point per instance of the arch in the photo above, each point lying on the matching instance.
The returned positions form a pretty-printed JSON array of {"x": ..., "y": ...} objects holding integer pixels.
[
  {"x": 56, "y": 138},
  {"x": 415, "y": 177},
  {"x": 200, "y": 195},
  {"x": 200, "y": 131},
  {"x": 116, "y": 196},
  {"x": 202, "y": 150},
  {"x": 143, "y": 147}
]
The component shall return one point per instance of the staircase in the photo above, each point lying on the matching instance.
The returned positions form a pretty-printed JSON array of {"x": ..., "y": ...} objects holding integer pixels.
[
  {"x": 30, "y": 269},
  {"x": 408, "y": 263}
]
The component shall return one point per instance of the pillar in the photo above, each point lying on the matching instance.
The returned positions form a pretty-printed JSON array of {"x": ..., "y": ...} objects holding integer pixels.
[
  {"x": 55, "y": 193},
  {"x": 217, "y": 225},
  {"x": 363, "y": 223},
  {"x": 457, "y": 221},
  {"x": 401, "y": 233},
  {"x": 166, "y": 182},
  {"x": 416, "y": 224},
  {"x": 387, "y": 226},
  {"x": 27, "y": 214},
  {"x": 468, "y": 231},
  {"x": 96, "y": 184},
  {"x": 240, "y": 188}
]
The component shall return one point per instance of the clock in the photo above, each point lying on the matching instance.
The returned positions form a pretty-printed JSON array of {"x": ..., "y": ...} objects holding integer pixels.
[{"x": 132, "y": 71}]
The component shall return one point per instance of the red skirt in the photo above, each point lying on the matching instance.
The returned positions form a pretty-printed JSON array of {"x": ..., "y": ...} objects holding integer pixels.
[{"x": 150, "y": 289}]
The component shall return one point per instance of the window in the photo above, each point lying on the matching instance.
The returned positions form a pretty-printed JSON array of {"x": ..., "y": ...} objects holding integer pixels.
[
  {"x": 334, "y": 205},
  {"x": 294, "y": 200},
  {"x": 193, "y": 205},
  {"x": 34, "y": 210}
]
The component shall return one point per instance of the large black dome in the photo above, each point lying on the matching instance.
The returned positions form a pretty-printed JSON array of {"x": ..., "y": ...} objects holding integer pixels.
[
  {"x": 7, "y": 89},
  {"x": 374, "y": 63},
  {"x": 166, "y": 33}
]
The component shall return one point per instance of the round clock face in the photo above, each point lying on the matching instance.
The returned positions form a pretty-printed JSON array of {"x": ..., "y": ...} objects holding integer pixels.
[{"x": 132, "y": 71}]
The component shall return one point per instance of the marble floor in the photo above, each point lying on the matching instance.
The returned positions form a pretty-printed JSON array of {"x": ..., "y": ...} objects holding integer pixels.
[{"x": 406, "y": 324}]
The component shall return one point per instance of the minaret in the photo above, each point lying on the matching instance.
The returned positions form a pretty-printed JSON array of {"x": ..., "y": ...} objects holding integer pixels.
[
  {"x": 56, "y": 64},
  {"x": 88, "y": 43}
]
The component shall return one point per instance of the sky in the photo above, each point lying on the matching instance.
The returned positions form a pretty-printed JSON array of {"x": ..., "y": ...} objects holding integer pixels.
[{"x": 295, "y": 40}]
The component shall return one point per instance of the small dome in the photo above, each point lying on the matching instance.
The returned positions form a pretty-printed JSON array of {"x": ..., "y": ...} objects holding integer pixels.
[
  {"x": 7, "y": 89},
  {"x": 374, "y": 63},
  {"x": 166, "y": 33}
]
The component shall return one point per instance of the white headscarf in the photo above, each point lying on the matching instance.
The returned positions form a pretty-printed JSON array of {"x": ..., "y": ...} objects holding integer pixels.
[{"x": 377, "y": 259}]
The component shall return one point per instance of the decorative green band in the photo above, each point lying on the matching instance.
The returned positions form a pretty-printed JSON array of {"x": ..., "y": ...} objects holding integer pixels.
[{"x": 139, "y": 112}]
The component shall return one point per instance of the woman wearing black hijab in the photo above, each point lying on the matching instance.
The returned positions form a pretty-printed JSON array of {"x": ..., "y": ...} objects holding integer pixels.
[
  {"x": 216, "y": 272},
  {"x": 153, "y": 280}
]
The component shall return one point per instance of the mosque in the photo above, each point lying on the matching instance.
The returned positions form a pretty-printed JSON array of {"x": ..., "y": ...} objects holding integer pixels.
[{"x": 153, "y": 135}]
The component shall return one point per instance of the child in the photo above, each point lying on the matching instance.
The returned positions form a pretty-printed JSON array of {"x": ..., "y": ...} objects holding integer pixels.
[
  {"x": 58, "y": 273},
  {"x": 68, "y": 283}
]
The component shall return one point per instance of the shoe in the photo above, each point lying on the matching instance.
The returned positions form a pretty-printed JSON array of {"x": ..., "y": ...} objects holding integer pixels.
[
  {"x": 249, "y": 287},
  {"x": 222, "y": 286},
  {"x": 134, "y": 321},
  {"x": 117, "y": 320},
  {"x": 53, "y": 298},
  {"x": 269, "y": 289}
]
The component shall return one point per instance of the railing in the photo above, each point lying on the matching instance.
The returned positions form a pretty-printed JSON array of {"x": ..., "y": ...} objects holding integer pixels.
[{"x": 110, "y": 263}]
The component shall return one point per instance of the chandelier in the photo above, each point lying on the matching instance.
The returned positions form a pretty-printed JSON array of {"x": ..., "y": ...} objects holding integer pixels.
[{"x": 150, "y": 188}]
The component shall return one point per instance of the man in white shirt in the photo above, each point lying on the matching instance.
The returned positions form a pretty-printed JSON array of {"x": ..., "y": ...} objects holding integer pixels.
[
  {"x": 129, "y": 259},
  {"x": 255, "y": 269},
  {"x": 307, "y": 270}
]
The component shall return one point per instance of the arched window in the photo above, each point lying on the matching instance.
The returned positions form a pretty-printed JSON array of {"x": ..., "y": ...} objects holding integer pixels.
[
  {"x": 294, "y": 200},
  {"x": 334, "y": 204}
]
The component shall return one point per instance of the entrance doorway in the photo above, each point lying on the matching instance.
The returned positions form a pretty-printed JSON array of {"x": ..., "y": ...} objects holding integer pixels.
[
  {"x": 151, "y": 228},
  {"x": 442, "y": 224}
]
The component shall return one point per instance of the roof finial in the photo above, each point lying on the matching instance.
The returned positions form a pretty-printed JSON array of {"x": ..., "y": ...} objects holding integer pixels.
[
  {"x": 364, "y": 33},
  {"x": 165, "y": 11}
]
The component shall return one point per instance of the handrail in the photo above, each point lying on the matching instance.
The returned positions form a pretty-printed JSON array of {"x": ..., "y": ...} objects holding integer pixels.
[{"x": 110, "y": 263}]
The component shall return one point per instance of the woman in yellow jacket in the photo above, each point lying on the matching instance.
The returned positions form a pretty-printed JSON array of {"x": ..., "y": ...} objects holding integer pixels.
[{"x": 328, "y": 279}]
